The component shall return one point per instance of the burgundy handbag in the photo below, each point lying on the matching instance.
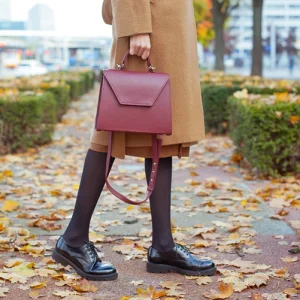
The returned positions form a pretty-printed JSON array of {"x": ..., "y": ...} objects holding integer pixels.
[{"x": 140, "y": 102}]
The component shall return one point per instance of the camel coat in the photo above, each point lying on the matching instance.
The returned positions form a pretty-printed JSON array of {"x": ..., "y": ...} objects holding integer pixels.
[{"x": 172, "y": 30}]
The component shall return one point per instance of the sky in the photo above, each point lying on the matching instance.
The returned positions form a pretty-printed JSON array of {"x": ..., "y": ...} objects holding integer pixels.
[{"x": 72, "y": 16}]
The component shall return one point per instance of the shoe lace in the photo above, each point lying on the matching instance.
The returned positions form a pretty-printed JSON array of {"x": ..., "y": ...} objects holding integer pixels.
[
  {"x": 92, "y": 250},
  {"x": 184, "y": 248}
]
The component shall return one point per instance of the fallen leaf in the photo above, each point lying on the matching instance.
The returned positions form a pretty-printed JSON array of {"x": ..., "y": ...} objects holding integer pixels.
[
  {"x": 295, "y": 224},
  {"x": 281, "y": 273},
  {"x": 292, "y": 292},
  {"x": 38, "y": 285},
  {"x": 297, "y": 281},
  {"x": 3, "y": 291},
  {"x": 145, "y": 232},
  {"x": 169, "y": 284},
  {"x": 252, "y": 250},
  {"x": 136, "y": 283},
  {"x": 225, "y": 291},
  {"x": 203, "y": 280},
  {"x": 64, "y": 294},
  {"x": 35, "y": 294},
  {"x": 10, "y": 205},
  {"x": 256, "y": 297},
  {"x": 83, "y": 286},
  {"x": 289, "y": 259}
]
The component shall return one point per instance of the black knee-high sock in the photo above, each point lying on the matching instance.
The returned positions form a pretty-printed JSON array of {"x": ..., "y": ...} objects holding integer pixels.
[
  {"x": 91, "y": 186},
  {"x": 160, "y": 204}
]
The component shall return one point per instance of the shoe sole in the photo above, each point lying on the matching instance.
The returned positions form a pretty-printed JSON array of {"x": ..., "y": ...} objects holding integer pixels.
[
  {"x": 65, "y": 262},
  {"x": 160, "y": 268}
]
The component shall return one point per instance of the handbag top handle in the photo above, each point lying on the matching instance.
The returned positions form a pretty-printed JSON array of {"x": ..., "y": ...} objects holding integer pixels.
[{"x": 122, "y": 65}]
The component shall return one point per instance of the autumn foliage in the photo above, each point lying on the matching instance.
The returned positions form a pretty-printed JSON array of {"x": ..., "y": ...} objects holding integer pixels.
[{"x": 203, "y": 16}]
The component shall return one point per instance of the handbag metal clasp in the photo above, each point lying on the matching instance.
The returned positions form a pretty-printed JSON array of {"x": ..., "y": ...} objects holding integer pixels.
[
  {"x": 120, "y": 67},
  {"x": 151, "y": 68}
]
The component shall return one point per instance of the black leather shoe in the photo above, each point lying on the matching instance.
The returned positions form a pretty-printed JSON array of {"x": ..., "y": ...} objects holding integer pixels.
[
  {"x": 84, "y": 260},
  {"x": 179, "y": 260}
]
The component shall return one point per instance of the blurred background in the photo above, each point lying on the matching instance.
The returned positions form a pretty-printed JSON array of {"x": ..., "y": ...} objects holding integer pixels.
[{"x": 51, "y": 35}]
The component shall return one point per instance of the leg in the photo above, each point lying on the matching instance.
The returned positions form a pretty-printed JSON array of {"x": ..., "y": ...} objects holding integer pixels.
[
  {"x": 91, "y": 186},
  {"x": 164, "y": 255},
  {"x": 160, "y": 203}
]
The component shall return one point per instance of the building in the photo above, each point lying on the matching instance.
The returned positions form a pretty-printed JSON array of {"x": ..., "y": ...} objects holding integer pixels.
[
  {"x": 41, "y": 17},
  {"x": 5, "y": 10},
  {"x": 278, "y": 18},
  {"x": 12, "y": 25}
]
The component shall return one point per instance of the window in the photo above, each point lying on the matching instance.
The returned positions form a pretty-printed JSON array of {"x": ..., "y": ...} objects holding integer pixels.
[
  {"x": 294, "y": 6},
  {"x": 276, "y": 6}
]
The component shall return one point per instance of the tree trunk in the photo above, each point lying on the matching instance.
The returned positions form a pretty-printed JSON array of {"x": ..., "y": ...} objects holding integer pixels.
[
  {"x": 257, "y": 52},
  {"x": 219, "y": 21}
]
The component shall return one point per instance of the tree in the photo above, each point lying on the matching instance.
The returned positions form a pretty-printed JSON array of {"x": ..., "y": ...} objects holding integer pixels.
[
  {"x": 221, "y": 10},
  {"x": 203, "y": 16},
  {"x": 257, "y": 51}
]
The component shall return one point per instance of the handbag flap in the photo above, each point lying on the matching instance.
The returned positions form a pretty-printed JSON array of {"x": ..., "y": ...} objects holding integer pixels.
[{"x": 136, "y": 88}]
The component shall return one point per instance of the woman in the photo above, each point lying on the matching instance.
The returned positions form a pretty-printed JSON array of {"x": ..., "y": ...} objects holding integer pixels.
[{"x": 166, "y": 29}]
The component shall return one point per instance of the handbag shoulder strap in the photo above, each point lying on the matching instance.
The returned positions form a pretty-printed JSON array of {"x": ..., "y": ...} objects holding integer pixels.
[{"x": 156, "y": 147}]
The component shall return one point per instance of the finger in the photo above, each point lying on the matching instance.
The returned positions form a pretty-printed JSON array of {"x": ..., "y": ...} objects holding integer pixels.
[
  {"x": 132, "y": 51},
  {"x": 140, "y": 51},
  {"x": 146, "y": 54}
]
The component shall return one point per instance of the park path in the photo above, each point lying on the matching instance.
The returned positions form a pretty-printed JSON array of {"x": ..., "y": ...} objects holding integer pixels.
[{"x": 246, "y": 224}]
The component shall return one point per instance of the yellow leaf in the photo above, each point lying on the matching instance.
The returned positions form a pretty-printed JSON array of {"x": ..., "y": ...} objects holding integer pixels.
[
  {"x": 76, "y": 186},
  {"x": 141, "y": 291},
  {"x": 281, "y": 273},
  {"x": 201, "y": 243},
  {"x": 244, "y": 202},
  {"x": 6, "y": 173},
  {"x": 294, "y": 119},
  {"x": 159, "y": 294},
  {"x": 38, "y": 285},
  {"x": 10, "y": 205},
  {"x": 24, "y": 269},
  {"x": 225, "y": 291},
  {"x": 130, "y": 207},
  {"x": 34, "y": 294},
  {"x": 256, "y": 297},
  {"x": 292, "y": 292},
  {"x": 296, "y": 203},
  {"x": 33, "y": 249},
  {"x": 233, "y": 236},
  {"x": 83, "y": 286},
  {"x": 13, "y": 262},
  {"x": 194, "y": 174}
]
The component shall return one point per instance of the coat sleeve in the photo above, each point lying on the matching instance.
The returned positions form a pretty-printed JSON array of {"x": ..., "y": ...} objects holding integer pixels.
[
  {"x": 131, "y": 17},
  {"x": 107, "y": 12}
]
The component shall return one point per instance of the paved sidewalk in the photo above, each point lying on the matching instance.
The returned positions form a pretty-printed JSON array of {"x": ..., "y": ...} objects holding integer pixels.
[{"x": 216, "y": 211}]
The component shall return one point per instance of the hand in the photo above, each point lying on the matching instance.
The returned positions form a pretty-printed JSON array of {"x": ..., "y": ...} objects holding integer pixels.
[{"x": 140, "y": 45}]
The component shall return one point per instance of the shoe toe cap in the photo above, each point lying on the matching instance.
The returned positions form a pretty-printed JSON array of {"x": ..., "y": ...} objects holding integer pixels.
[
  {"x": 207, "y": 264},
  {"x": 104, "y": 268}
]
